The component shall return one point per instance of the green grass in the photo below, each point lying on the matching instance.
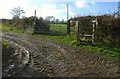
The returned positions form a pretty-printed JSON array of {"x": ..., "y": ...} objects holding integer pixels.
[
  {"x": 102, "y": 49},
  {"x": 60, "y": 39},
  {"x": 1, "y": 42},
  {"x": 60, "y": 28},
  {"x": 0, "y": 27},
  {"x": 7, "y": 28}
]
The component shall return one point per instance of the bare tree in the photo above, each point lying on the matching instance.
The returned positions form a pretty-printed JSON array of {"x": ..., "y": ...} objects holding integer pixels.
[
  {"x": 62, "y": 21},
  {"x": 50, "y": 18},
  {"x": 17, "y": 12},
  {"x": 57, "y": 20}
]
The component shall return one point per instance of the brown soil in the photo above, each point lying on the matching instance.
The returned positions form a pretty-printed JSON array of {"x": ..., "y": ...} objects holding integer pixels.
[{"x": 48, "y": 58}]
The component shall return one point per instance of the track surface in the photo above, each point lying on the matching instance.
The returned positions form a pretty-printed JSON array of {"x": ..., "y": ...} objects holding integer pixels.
[{"x": 48, "y": 58}]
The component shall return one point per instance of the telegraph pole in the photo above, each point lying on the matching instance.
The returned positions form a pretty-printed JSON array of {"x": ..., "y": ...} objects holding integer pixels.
[
  {"x": 68, "y": 21},
  {"x": 34, "y": 23},
  {"x": 67, "y": 11},
  {"x": 119, "y": 7}
]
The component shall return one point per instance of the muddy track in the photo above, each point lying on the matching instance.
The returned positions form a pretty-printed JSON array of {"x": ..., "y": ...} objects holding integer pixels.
[{"x": 48, "y": 58}]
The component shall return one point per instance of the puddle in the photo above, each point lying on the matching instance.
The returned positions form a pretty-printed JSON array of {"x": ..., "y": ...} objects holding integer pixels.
[{"x": 11, "y": 63}]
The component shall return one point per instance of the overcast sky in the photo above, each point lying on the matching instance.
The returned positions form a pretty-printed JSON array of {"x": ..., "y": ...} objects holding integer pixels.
[{"x": 58, "y": 8}]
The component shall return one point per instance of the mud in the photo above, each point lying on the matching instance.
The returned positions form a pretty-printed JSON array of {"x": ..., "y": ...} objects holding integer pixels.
[{"x": 48, "y": 58}]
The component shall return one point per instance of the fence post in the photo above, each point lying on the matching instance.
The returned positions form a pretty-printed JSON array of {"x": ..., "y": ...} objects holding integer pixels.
[
  {"x": 95, "y": 26},
  {"x": 93, "y": 34},
  {"x": 68, "y": 27},
  {"x": 77, "y": 31}
]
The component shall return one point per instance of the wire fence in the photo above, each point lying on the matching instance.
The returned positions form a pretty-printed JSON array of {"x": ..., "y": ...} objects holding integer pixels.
[{"x": 53, "y": 29}]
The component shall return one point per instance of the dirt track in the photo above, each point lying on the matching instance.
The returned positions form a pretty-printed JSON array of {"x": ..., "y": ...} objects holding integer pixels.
[{"x": 48, "y": 58}]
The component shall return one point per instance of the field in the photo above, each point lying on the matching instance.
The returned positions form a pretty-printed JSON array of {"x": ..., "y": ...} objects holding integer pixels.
[{"x": 59, "y": 29}]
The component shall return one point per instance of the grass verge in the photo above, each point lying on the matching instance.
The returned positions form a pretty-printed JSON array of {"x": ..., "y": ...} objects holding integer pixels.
[
  {"x": 102, "y": 49},
  {"x": 11, "y": 29}
]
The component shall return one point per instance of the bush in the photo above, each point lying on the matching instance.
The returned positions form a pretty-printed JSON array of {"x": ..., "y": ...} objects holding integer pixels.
[{"x": 27, "y": 23}]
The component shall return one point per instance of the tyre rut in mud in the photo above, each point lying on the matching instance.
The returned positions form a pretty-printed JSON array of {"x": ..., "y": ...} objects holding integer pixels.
[{"x": 52, "y": 59}]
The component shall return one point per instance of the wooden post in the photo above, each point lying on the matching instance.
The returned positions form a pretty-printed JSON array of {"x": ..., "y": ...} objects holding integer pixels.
[
  {"x": 77, "y": 31},
  {"x": 96, "y": 31},
  {"x": 93, "y": 34},
  {"x": 68, "y": 27},
  {"x": 95, "y": 22}
]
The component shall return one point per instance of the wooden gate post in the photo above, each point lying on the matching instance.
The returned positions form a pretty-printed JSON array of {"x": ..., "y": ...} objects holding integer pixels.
[
  {"x": 77, "y": 31},
  {"x": 68, "y": 27}
]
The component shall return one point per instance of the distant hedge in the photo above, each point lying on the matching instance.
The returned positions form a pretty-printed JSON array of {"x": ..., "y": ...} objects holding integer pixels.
[{"x": 27, "y": 24}]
